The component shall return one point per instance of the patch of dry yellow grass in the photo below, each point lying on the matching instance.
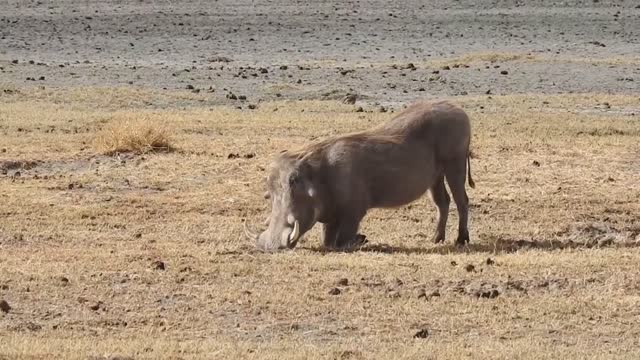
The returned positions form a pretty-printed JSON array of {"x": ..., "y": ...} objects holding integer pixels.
[
  {"x": 136, "y": 135},
  {"x": 555, "y": 208}
]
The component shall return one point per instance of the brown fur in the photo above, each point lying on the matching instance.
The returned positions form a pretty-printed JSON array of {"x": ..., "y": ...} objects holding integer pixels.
[{"x": 337, "y": 180}]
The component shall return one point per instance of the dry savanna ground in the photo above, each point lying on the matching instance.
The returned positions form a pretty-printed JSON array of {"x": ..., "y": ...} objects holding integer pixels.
[{"x": 107, "y": 253}]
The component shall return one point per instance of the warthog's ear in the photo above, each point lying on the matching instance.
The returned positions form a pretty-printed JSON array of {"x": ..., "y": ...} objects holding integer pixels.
[
  {"x": 307, "y": 172},
  {"x": 305, "y": 169}
]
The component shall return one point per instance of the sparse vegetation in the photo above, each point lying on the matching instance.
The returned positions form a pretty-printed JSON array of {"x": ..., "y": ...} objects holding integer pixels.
[
  {"x": 112, "y": 246},
  {"x": 136, "y": 135},
  {"x": 551, "y": 270}
]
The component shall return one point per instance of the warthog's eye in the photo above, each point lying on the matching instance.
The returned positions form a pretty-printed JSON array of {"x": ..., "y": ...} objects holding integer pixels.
[{"x": 294, "y": 180}]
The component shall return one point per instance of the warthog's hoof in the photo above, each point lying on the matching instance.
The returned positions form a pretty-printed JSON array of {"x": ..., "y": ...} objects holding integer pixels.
[
  {"x": 360, "y": 240},
  {"x": 357, "y": 242},
  {"x": 462, "y": 241},
  {"x": 437, "y": 238}
]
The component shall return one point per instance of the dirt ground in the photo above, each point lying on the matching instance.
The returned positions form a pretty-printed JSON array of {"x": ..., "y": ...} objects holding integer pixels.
[
  {"x": 329, "y": 48},
  {"x": 142, "y": 256}
]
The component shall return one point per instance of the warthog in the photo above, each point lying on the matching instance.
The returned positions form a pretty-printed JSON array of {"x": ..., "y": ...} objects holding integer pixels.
[{"x": 336, "y": 181}]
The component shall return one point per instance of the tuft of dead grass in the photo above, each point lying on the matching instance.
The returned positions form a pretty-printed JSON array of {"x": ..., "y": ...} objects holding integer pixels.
[{"x": 135, "y": 135}]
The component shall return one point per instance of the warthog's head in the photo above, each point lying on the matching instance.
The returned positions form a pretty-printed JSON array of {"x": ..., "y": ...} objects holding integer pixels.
[{"x": 294, "y": 203}]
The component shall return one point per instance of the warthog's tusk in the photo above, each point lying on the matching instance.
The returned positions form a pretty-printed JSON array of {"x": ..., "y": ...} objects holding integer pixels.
[
  {"x": 295, "y": 233},
  {"x": 248, "y": 232}
]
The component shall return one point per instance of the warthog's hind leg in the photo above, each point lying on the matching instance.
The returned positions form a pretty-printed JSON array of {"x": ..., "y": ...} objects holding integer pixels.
[
  {"x": 442, "y": 200},
  {"x": 456, "y": 177}
]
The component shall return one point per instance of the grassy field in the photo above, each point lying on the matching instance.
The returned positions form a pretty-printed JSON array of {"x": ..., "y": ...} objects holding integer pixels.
[{"x": 107, "y": 254}]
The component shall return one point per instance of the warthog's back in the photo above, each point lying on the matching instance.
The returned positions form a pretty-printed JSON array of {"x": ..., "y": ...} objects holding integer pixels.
[{"x": 397, "y": 161}]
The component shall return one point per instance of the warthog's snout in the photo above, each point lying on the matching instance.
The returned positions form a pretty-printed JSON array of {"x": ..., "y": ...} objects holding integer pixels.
[{"x": 286, "y": 237}]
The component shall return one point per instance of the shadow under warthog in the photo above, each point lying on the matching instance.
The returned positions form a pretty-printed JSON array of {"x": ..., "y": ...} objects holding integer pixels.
[{"x": 501, "y": 245}]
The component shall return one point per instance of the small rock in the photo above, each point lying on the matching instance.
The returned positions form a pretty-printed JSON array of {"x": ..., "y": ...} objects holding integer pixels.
[
  {"x": 597, "y": 43},
  {"x": 446, "y": 67},
  {"x": 393, "y": 294},
  {"x": 251, "y": 106},
  {"x": 504, "y": 72},
  {"x": 489, "y": 294},
  {"x": 64, "y": 280},
  {"x": 190, "y": 87},
  {"x": 422, "y": 334},
  {"x": 119, "y": 357},
  {"x": 605, "y": 242},
  {"x": 96, "y": 306},
  {"x": 335, "y": 291},
  {"x": 242, "y": 97},
  {"x": 382, "y": 109},
  {"x": 283, "y": 67},
  {"x": 349, "y": 99},
  {"x": 470, "y": 268},
  {"x": 4, "y": 306},
  {"x": 536, "y": 163},
  {"x": 233, "y": 156},
  {"x": 222, "y": 59},
  {"x": 159, "y": 265},
  {"x": 343, "y": 282},
  {"x": 490, "y": 261},
  {"x": 359, "y": 109},
  {"x": 453, "y": 263},
  {"x": 422, "y": 294}
]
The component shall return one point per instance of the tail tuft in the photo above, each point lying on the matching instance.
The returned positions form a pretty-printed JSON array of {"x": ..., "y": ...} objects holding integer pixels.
[{"x": 471, "y": 182}]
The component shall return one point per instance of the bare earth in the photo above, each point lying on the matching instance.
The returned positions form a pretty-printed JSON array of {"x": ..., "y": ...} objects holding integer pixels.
[{"x": 142, "y": 256}]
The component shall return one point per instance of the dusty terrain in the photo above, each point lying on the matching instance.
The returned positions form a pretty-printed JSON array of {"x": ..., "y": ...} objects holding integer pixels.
[
  {"x": 139, "y": 256},
  {"x": 328, "y": 48}
]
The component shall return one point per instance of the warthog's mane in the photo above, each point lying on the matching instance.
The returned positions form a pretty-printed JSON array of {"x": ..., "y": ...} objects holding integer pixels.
[{"x": 317, "y": 149}]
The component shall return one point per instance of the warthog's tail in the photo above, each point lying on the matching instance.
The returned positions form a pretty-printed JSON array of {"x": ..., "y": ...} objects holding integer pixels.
[{"x": 471, "y": 182}]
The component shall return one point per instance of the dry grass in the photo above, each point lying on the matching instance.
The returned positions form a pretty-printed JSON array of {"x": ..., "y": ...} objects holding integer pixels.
[
  {"x": 555, "y": 207},
  {"x": 134, "y": 135}
]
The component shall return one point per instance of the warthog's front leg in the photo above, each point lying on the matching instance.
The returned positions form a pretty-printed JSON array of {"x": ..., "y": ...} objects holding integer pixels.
[
  {"x": 343, "y": 233},
  {"x": 330, "y": 234}
]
